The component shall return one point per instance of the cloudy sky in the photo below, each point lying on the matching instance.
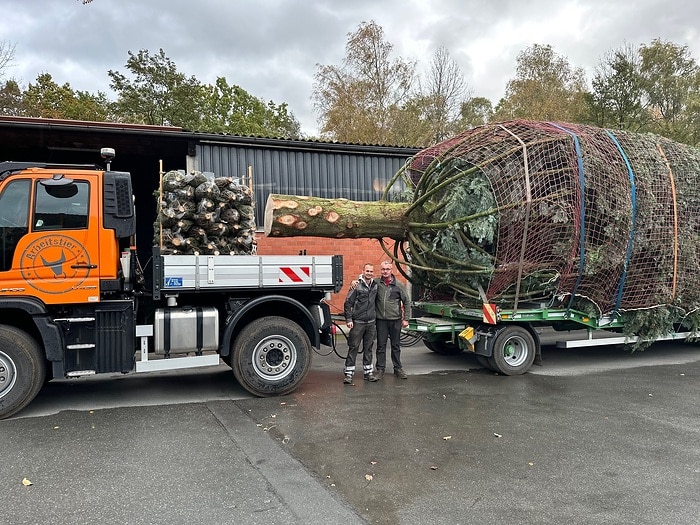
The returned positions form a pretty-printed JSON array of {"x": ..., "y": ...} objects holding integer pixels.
[{"x": 271, "y": 48}]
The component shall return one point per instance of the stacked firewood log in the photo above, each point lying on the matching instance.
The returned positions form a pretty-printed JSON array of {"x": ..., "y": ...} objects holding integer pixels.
[{"x": 205, "y": 215}]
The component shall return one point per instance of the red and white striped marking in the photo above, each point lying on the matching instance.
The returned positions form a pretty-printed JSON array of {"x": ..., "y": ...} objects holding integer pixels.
[
  {"x": 295, "y": 274},
  {"x": 489, "y": 313}
]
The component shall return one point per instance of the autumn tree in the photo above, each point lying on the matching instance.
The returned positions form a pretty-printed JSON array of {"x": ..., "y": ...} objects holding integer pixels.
[
  {"x": 231, "y": 109},
  {"x": 358, "y": 100},
  {"x": 157, "y": 93},
  {"x": 7, "y": 56},
  {"x": 545, "y": 87},
  {"x": 445, "y": 91}
]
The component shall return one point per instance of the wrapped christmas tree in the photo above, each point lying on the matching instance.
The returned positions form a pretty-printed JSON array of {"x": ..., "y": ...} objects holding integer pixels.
[{"x": 605, "y": 221}]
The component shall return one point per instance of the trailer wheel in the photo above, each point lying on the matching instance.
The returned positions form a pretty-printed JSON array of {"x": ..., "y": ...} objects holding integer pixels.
[
  {"x": 514, "y": 351},
  {"x": 271, "y": 356},
  {"x": 484, "y": 361},
  {"x": 443, "y": 347},
  {"x": 22, "y": 370}
]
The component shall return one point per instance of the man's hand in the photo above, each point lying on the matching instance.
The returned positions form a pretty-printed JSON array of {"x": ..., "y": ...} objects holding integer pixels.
[
  {"x": 404, "y": 323},
  {"x": 349, "y": 324},
  {"x": 353, "y": 284}
]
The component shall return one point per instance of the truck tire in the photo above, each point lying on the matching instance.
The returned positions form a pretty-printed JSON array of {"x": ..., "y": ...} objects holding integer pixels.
[
  {"x": 271, "y": 356},
  {"x": 514, "y": 351},
  {"x": 443, "y": 347},
  {"x": 22, "y": 370}
]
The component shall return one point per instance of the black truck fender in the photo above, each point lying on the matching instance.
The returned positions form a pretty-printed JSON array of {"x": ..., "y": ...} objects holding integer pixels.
[
  {"x": 50, "y": 334},
  {"x": 281, "y": 305}
]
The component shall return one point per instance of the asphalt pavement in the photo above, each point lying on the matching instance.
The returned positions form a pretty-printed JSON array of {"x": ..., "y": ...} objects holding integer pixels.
[{"x": 592, "y": 437}]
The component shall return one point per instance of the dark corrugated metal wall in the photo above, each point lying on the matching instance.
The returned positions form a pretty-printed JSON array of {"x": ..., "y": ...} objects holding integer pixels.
[{"x": 328, "y": 174}]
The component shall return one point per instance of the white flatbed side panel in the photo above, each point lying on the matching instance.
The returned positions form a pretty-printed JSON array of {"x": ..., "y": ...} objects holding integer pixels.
[
  {"x": 177, "y": 363},
  {"x": 195, "y": 272},
  {"x": 621, "y": 340}
]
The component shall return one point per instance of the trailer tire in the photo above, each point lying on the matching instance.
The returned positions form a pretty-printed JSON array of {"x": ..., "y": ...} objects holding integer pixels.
[
  {"x": 271, "y": 356},
  {"x": 443, "y": 347},
  {"x": 514, "y": 351},
  {"x": 484, "y": 361},
  {"x": 22, "y": 370}
]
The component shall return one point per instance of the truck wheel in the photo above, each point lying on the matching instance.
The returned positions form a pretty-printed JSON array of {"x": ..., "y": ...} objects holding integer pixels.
[
  {"x": 443, "y": 347},
  {"x": 22, "y": 370},
  {"x": 513, "y": 351},
  {"x": 271, "y": 356}
]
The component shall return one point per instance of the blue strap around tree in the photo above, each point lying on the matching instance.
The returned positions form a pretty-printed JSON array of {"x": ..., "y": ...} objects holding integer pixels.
[
  {"x": 582, "y": 233},
  {"x": 630, "y": 241}
]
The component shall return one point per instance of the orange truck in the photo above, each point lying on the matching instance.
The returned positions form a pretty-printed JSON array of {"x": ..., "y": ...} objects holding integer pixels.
[{"x": 74, "y": 300}]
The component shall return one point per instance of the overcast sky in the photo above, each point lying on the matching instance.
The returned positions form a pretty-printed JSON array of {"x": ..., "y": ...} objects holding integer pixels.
[{"x": 271, "y": 47}]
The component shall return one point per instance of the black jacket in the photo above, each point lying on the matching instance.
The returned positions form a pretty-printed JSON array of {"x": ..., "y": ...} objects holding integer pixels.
[{"x": 360, "y": 302}]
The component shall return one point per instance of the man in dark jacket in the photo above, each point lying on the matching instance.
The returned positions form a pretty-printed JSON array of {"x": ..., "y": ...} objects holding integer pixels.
[
  {"x": 393, "y": 312},
  {"x": 359, "y": 309}
]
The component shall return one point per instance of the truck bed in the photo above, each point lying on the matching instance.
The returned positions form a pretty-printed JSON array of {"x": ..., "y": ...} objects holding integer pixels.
[{"x": 183, "y": 273}]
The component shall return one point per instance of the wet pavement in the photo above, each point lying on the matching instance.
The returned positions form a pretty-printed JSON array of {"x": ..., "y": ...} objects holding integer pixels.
[{"x": 592, "y": 437}]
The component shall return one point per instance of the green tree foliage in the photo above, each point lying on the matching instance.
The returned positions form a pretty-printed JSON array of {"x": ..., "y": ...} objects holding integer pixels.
[
  {"x": 11, "y": 99},
  {"x": 47, "y": 99},
  {"x": 358, "y": 101},
  {"x": 655, "y": 88},
  {"x": 475, "y": 111},
  {"x": 157, "y": 93},
  {"x": 545, "y": 87},
  {"x": 618, "y": 96},
  {"x": 671, "y": 79},
  {"x": 231, "y": 109}
]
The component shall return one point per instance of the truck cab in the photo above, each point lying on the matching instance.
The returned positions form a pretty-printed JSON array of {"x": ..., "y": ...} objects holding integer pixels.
[
  {"x": 57, "y": 232},
  {"x": 74, "y": 301}
]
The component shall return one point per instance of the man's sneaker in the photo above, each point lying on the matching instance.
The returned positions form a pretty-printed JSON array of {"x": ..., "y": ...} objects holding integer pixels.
[
  {"x": 348, "y": 379},
  {"x": 380, "y": 373},
  {"x": 400, "y": 373},
  {"x": 370, "y": 377}
]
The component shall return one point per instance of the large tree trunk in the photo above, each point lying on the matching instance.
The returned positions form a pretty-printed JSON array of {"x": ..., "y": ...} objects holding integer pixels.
[{"x": 291, "y": 215}]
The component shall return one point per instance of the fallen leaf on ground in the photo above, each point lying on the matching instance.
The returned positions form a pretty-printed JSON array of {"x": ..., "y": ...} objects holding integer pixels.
[
  {"x": 26, "y": 482},
  {"x": 372, "y": 462},
  {"x": 433, "y": 467},
  {"x": 369, "y": 477},
  {"x": 447, "y": 438},
  {"x": 497, "y": 435}
]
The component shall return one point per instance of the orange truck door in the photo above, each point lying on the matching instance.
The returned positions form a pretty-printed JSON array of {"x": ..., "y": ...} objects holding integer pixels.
[{"x": 56, "y": 259}]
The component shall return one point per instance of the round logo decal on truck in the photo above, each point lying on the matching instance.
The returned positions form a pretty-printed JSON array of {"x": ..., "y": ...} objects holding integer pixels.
[{"x": 49, "y": 263}]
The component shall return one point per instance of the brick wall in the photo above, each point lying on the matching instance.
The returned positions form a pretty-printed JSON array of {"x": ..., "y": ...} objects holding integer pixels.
[{"x": 355, "y": 252}]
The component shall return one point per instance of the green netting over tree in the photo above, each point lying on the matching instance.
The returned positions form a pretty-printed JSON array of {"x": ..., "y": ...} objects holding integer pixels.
[{"x": 569, "y": 214}]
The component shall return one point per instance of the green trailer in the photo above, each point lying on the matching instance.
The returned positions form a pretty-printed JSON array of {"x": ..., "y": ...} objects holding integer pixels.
[{"x": 507, "y": 340}]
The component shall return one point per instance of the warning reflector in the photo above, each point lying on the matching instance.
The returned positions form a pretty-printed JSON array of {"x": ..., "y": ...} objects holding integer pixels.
[
  {"x": 295, "y": 274},
  {"x": 489, "y": 313}
]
